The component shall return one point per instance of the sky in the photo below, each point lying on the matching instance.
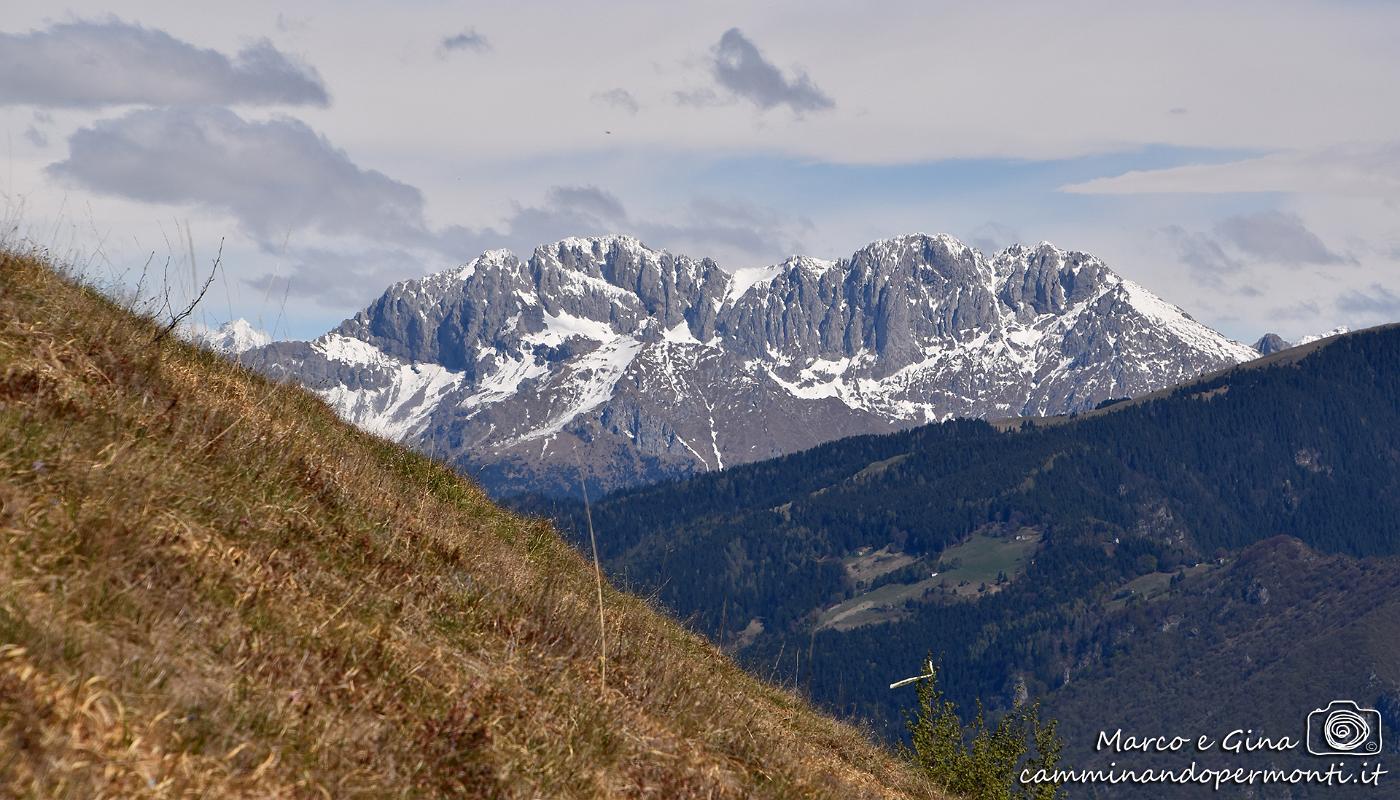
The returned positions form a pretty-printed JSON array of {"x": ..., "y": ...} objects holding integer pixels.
[{"x": 1240, "y": 160}]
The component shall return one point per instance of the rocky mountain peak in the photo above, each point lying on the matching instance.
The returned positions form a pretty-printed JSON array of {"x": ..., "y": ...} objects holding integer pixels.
[
  {"x": 1271, "y": 343},
  {"x": 642, "y": 363},
  {"x": 1047, "y": 280}
]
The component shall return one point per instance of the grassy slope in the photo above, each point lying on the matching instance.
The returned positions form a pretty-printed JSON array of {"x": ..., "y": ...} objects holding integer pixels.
[{"x": 209, "y": 585}]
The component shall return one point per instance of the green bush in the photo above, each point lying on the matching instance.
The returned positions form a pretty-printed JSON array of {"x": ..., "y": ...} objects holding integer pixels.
[{"x": 979, "y": 761}]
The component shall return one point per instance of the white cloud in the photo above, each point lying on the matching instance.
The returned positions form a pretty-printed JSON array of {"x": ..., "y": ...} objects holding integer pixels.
[
  {"x": 1357, "y": 170},
  {"x": 946, "y": 81},
  {"x": 478, "y": 150}
]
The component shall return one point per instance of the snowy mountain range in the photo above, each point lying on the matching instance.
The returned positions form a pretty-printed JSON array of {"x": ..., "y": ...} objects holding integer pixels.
[
  {"x": 232, "y": 338},
  {"x": 604, "y": 357}
]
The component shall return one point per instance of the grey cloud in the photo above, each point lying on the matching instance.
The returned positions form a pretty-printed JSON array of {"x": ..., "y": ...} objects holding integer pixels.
[
  {"x": 98, "y": 64},
  {"x": 276, "y": 177},
  {"x": 618, "y": 98},
  {"x": 466, "y": 40},
  {"x": 992, "y": 237},
  {"x": 1202, "y": 253},
  {"x": 1277, "y": 237},
  {"x": 705, "y": 225},
  {"x": 731, "y": 211},
  {"x": 748, "y": 239},
  {"x": 1304, "y": 309},
  {"x": 702, "y": 98},
  {"x": 1376, "y": 300},
  {"x": 337, "y": 278},
  {"x": 279, "y": 178},
  {"x": 732, "y": 223},
  {"x": 740, "y": 68},
  {"x": 565, "y": 211},
  {"x": 288, "y": 24},
  {"x": 1234, "y": 243},
  {"x": 36, "y": 133},
  {"x": 589, "y": 200}
]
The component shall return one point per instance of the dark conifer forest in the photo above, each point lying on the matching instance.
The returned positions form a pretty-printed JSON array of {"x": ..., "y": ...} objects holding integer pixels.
[{"x": 1138, "y": 505}]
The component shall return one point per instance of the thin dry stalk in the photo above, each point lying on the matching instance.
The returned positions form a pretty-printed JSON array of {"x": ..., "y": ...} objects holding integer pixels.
[{"x": 597, "y": 574}]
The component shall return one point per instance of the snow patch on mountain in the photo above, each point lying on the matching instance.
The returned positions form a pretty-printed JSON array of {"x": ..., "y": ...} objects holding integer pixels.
[
  {"x": 590, "y": 383},
  {"x": 562, "y": 326},
  {"x": 680, "y": 334},
  {"x": 1180, "y": 324},
  {"x": 1309, "y": 339},
  {"x": 395, "y": 399},
  {"x": 503, "y": 382},
  {"x": 741, "y": 280}
]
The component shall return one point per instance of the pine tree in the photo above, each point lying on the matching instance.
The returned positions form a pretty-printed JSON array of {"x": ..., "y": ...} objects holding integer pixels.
[{"x": 979, "y": 761}]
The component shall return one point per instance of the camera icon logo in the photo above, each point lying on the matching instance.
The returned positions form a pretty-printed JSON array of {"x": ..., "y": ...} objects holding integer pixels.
[{"x": 1344, "y": 729}]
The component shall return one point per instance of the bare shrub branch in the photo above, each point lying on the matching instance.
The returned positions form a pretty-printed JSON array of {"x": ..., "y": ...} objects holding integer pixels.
[{"x": 176, "y": 319}]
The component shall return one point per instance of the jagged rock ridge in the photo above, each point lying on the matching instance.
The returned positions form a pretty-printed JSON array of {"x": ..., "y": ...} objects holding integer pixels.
[{"x": 630, "y": 364}]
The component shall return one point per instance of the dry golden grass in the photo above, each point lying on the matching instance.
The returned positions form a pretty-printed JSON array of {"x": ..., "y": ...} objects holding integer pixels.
[{"x": 210, "y": 586}]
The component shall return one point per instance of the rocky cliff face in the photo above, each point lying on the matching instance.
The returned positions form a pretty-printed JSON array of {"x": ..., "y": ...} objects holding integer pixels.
[{"x": 604, "y": 357}]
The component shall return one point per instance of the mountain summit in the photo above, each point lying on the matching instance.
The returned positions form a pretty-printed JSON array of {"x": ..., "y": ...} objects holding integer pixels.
[
  {"x": 631, "y": 364},
  {"x": 232, "y": 337}
]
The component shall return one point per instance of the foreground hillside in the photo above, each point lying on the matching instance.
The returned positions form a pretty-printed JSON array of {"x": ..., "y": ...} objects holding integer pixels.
[
  {"x": 210, "y": 586},
  {"x": 1034, "y": 559}
]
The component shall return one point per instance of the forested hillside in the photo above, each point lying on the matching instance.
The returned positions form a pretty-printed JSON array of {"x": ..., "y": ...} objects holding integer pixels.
[
  {"x": 1257, "y": 645},
  {"x": 1008, "y": 553}
]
